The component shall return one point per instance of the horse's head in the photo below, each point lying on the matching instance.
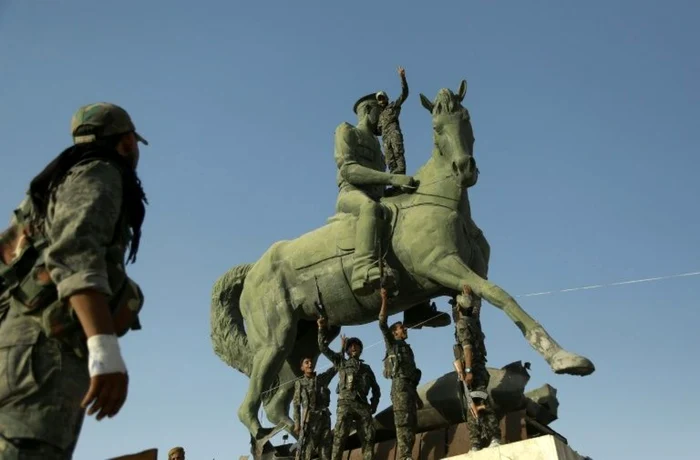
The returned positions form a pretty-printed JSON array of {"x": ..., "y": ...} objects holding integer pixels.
[{"x": 452, "y": 134}]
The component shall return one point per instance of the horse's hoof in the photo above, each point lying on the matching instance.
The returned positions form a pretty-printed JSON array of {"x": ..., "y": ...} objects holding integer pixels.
[{"x": 564, "y": 362}]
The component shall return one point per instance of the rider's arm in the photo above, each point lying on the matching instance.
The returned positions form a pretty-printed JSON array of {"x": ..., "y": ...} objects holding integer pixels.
[
  {"x": 80, "y": 228},
  {"x": 346, "y": 146}
]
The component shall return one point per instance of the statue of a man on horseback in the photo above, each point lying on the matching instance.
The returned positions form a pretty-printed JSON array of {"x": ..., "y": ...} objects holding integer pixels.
[{"x": 362, "y": 180}]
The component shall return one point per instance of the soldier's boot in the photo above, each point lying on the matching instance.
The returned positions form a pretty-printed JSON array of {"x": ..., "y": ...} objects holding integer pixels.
[
  {"x": 365, "y": 272},
  {"x": 425, "y": 314}
]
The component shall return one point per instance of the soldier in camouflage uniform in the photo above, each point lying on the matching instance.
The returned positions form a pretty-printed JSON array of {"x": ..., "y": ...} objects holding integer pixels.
[
  {"x": 356, "y": 379},
  {"x": 312, "y": 394},
  {"x": 470, "y": 353},
  {"x": 62, "y": 273},
  {"x": 390, "y": 129},
  {"x": 400, "y": 367}
]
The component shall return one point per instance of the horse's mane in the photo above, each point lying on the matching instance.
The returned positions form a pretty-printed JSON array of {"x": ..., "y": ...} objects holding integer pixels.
[{"x": 446, "y": 102}]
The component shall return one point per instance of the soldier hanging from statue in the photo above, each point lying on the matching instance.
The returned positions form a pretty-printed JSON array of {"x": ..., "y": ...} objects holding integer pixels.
[
  {"x": 362, "y": 180},
  {"x": 400, "y": 367},
  {"x": 390, "y": 129},
  {"x": 470, "y": 362},
  {"x": 356, "y": 379},
  {"x": 313, "y": 427}
]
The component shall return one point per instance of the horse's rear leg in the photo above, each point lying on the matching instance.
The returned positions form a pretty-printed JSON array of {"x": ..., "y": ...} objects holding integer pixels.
[
  {"x": 271, "y": 333},
  {"x": 453, "y": 273}
]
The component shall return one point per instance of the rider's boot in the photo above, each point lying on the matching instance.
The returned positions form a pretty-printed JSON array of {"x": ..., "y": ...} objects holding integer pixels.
[
  {"x": 366, "y": 273},
  {"x": 425, "y": 314}
]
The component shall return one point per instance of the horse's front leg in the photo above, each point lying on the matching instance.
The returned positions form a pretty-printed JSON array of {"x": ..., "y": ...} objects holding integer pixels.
[{"x": 453, "y": 273}]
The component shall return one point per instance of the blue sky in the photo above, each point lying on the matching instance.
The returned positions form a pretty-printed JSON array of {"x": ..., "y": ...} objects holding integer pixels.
[{"x": 586, "y": 123}]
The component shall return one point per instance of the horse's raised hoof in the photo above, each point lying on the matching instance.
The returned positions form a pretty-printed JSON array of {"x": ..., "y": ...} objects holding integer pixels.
[{"x": 564, "y": 362}]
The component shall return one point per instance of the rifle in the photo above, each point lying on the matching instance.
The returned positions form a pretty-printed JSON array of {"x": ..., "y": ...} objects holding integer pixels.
[
  {"x": 318, "y": 304},
  {"x": 301, "y": 441},
  {"x": 470, "y": 402}
]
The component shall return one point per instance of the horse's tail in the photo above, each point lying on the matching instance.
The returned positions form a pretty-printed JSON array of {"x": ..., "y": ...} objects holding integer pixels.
[{"x": 228, "y": 334}]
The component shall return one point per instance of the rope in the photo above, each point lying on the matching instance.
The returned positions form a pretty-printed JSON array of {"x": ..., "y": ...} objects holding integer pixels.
[{"x": 533, "y": 294}]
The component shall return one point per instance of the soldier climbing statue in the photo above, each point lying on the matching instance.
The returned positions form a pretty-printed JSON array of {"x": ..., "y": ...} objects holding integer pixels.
[
  {"x": 390, "y": 129},
  {"x": 470, "y": 363}
]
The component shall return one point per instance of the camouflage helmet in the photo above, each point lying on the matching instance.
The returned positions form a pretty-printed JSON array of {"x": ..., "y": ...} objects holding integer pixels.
[
  {"x": 104, "y": 119},
  {"x": 353, "y": 340},
  {"x": 479, "y": 395},
  {"x": 366, "y": 98},
  {"x": 176, "y": 450}
]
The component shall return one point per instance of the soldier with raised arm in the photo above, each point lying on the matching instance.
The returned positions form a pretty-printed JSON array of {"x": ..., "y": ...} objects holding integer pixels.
[
  {"x": 400, "y": 367},
  {"x": 313, "y": 426},
  {"x": 64, "y": 284},
  {"x": 470, "y": 361},
  {"x": 390, "y": 129},
  {"x": 356, "y": 379}
]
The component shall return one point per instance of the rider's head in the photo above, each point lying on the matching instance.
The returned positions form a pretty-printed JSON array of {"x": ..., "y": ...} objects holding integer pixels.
[
  {"x": 399, "y": 331},
  {"x": 307, "y": 366},
  {"x": 367, "y": 110},
  {"x": 353, "y": 347}
]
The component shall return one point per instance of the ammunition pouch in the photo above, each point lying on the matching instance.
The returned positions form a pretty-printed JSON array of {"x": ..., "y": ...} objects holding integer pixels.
[{"x": 27, "y": 288}]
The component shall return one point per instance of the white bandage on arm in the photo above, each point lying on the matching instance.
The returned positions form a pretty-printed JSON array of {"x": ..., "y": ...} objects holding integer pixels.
[{"x": 105, "y": 356}]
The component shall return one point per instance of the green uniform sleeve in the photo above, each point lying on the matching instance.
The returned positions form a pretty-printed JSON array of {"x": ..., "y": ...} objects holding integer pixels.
[{"x": 81, "y": 225}]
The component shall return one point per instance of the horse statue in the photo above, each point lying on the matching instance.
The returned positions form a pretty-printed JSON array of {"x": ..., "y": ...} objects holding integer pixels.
[{"x": 263, "y": 314}]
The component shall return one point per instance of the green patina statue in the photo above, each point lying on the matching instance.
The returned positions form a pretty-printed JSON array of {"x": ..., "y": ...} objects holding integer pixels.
[{"x": 263, "y": 314}]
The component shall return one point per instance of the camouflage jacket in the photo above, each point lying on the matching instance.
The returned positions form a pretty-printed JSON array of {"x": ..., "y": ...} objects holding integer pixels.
[
  {"x": 356, "y": 378},
  {"x": 312, "y": 393},
  {"x": 399, "y": 362},
  {"x": 389, "y": 117},
  {"x": 85, "y": 242},
  {"x": 468, "y": 334}
]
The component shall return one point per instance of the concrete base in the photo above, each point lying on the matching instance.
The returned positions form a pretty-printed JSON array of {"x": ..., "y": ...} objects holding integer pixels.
[{"x": 540, "y": 448}]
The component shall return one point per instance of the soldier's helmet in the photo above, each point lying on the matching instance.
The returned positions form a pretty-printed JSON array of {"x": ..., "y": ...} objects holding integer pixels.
[
  {"x": 102, "y": 119},
  {"x": 351, "y": 341}
]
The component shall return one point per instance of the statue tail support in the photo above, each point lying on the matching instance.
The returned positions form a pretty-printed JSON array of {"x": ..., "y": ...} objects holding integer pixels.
[{"x": 227, "y": 329}]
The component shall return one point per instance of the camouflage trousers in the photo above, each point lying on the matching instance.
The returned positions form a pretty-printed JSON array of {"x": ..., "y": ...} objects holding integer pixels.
[
  {"x": 394, "y": 151},
  {"x": 361, "y": 415},
  {"x": 486, "y": 428},
  {"x": 41, "y": 387},
  {"x": 404, "y": 401},
  {"x": 319, "y": 439}
]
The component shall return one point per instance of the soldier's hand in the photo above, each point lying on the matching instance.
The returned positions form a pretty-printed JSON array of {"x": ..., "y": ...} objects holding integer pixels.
[
  {"x": 107, "y": 394},
  {"x": 373, "y": 408},
  {"x": 468, "y": 378},
  {"x": 321, "y": 322},
  {"x": 402, "y": 71},
  {"x": 406, "y": 183},
  {"x": 296, "y": 429}
]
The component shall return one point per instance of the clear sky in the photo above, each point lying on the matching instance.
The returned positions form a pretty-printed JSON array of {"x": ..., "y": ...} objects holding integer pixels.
[{"x": 586, "y": 123}]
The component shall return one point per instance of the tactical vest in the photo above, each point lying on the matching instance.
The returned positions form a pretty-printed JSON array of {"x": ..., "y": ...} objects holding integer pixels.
[
  {"x": 400, "y": 361},
  {"x": 27, "y": 288},
  {"x": 314, "y": 396},
  {"x": 352, "y": 381}
]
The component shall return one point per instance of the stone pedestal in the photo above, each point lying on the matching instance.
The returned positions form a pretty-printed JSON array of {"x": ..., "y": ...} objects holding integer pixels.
[{"x": 541, "y": 448}]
